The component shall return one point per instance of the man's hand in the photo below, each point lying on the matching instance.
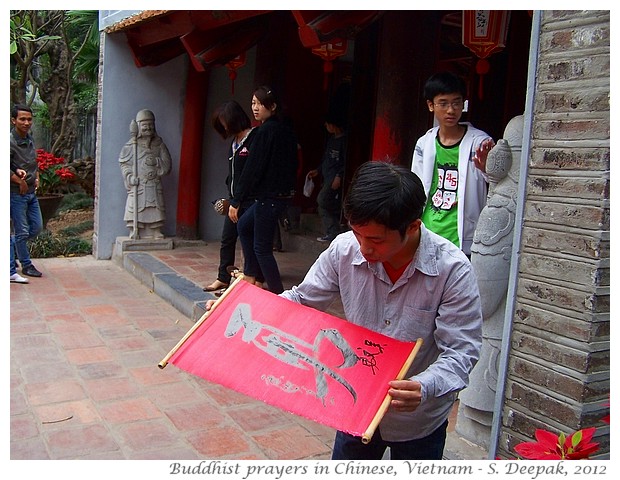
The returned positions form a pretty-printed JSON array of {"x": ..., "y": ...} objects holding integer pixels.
[
  {"x": 336, "y": 183},
  {"x": 480, "y": 158},
  {"x": 406, "y": 395}
]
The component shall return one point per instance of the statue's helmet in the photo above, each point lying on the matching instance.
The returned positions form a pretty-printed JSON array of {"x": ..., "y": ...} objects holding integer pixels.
[{"x": 145, "y": 115}]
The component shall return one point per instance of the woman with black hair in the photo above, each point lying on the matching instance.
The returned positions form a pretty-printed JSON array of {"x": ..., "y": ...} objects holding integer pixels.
[
  {"x": 269, "y": 176},
  {"x": 230, "y": 120}
]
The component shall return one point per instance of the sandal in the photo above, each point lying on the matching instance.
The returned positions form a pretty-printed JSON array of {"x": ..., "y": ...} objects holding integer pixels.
[
  {"x": 233, "y": 271},
  {"x": 217, "y": 285},
  {"x": 220, "y": 292}
]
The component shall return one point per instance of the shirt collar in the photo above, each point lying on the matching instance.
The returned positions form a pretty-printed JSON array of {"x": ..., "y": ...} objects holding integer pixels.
[
  {"x": 19, "y": 139},
  {"x": 424, "y": 259}
]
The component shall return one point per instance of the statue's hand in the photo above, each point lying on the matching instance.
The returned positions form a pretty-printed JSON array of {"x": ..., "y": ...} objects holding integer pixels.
[{"x": 133, "y": 180}]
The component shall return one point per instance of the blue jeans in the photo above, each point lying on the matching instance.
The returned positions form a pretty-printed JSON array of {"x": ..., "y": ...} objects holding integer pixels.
[
  {"x": 228, "y": 248},
  {"x": 256, "y": 229},
  {"x": 13, "y": 269},
  {"x": 27, "y": 223},
  {"x": 348, "y": 447}
]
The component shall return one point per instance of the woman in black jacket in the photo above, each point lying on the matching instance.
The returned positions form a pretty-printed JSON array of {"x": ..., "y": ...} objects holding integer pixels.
[
  {"x": 269, "y": 175},
  {"x": 230, "y": 120}
]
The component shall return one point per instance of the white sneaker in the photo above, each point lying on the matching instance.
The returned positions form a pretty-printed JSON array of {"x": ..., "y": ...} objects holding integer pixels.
[{"x": 17, "y": 278}]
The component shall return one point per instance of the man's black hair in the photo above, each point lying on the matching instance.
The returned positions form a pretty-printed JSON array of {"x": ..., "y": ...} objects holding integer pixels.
[
  {"x": 444, "y": 83},
  {"x": 19, "y": 107},
  {"x": 387, "y": 194}
]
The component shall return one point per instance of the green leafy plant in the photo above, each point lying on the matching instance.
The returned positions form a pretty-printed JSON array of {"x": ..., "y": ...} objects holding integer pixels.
[
  {"x": 48, "y": 245},
  {"x": 54, "y": 174}
]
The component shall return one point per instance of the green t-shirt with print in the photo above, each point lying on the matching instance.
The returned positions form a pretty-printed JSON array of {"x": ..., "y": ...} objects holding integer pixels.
[{"x": 440, "y": 213}]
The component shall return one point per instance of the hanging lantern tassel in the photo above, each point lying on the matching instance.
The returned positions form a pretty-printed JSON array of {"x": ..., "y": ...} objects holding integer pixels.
[
  {"x": 328, "y": 52},
  {"x": 328, "y": 68},
  {"x": 484, "y": 33},
  {"x": 232, "y": 74},
  {"x": 482, "y": 68},
  {"x": 233, "y": 65}
]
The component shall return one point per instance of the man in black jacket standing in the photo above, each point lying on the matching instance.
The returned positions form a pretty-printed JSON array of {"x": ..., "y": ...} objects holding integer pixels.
[{"x": 25, "y": 210}]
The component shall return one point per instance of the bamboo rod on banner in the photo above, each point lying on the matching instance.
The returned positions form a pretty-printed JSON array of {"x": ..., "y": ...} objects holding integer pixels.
[
  {"x": 202, "y": 319},
  {"x": 367, "y": 435}
]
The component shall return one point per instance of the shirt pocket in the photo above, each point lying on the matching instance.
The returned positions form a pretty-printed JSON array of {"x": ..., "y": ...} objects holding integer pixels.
[{"x": 419, "y": 323}]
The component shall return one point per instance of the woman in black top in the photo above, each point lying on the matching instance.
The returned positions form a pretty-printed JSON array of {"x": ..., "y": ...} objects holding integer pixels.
[
  {"x": 230, "y": 120},
  {"x": 269, "y": 176}
]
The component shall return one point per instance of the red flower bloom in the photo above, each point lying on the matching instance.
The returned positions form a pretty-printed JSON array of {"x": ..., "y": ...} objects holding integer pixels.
[
  {"x": 549, "y": 446},
  {"x": 53, "y": 173}
]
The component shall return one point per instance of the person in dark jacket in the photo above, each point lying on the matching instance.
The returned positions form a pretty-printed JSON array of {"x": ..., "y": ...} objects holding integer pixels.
[
  {"x": 331, "y": 168},
  {"x": 269, "y": 175},
  {"x": 25, "y": 210},
  {"x": 230, "y": 120}
]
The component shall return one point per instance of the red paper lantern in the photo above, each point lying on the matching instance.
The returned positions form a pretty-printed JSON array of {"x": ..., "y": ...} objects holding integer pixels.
[
  {"x": 233, "y": 65},
  {"x": 484, "y": 33},
  {"x": 329, "y": 51}
]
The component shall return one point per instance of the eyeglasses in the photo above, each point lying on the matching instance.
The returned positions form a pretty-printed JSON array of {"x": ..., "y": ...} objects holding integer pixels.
[{"x": 458, "y": 105}]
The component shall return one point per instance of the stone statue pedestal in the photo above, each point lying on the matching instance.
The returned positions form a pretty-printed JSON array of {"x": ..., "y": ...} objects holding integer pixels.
[{"x": 128, "y": 244}]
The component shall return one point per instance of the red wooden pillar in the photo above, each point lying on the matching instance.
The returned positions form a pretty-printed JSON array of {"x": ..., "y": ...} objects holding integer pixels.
[{"x": 188, "y": 196}]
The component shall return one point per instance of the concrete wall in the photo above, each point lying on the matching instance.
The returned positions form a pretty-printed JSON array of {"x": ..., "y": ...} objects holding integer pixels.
[
  {"x": 215, "y": 149},
  {"x": 559, "y": 367},
  {"x": 161, "y": 89},
  {"x": 128, "y": 90}
]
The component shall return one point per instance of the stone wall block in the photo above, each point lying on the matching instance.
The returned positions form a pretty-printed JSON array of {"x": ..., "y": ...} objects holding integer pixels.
[
  {"x": 578, "y": 158},
  {"x": 572, "y": 101},
  {"x": 582, "y": 37},
  {"x": 583, "y": 362},
  {"x": 543, "y": 405},
  {"x": 588, "y": 245},
  {"x": 568, "y": 269},
  {"x": 586, "y": 67},
  {"x": 538, "y": 348},
  {"x": 581, "y": 216},
  {"x": 545, "y": 294},
  {"x": 571, "y": 130},
  {"x": 589, "y": 188},
  {"x": 576, "y": 388},
  {"x": 595, "y": 329}
]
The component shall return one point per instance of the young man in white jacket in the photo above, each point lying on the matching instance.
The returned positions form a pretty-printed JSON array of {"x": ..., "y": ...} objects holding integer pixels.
[{"x": 450, "y": 159}]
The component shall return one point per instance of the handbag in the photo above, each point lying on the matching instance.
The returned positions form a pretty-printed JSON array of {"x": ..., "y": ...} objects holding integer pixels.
[{"x": 221, "y": 206}]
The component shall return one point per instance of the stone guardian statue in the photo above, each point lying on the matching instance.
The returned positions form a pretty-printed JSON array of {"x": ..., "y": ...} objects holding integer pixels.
[
  {"x": 144, "y": 159},
  {"x": 490, "y": 257}
]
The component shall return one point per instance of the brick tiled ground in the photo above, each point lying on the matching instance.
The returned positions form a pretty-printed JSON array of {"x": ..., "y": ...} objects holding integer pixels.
[
  {"x": 85, "y": 342},
  {"x": 86, "y": 339}
]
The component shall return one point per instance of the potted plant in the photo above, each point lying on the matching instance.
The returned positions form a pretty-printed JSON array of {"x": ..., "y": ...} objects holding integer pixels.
[{"x": 54, "y": 177}]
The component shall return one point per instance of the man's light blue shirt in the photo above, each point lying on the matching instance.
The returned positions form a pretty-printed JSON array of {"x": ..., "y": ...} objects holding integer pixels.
[{"x": 435, "y": 299}]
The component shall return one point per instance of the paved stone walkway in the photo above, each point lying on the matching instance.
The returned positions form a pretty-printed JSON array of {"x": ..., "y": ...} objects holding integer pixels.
[{"x": 86, "y": 339}]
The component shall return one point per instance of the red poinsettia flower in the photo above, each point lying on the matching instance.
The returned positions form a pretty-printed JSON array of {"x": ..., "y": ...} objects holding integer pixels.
[
  {"x": 546, "y": 448},
  {"x": 53, "y": 173},
  {"x": 579, "y": 446},
  {"x": 549, "y": 446}
]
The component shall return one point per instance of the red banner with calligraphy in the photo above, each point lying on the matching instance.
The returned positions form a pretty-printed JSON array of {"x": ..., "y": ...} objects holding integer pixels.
[{"x": 296, "y": 358}]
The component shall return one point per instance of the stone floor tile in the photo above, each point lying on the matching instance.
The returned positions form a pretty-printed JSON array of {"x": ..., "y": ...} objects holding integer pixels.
[
  {"x": 129, "y": 410},
  {"x": 76, "y": 442},
  {"x": 52, "y": 392},
  {"x": 196, "y": 416},
  {"x": 220, "y": 442}
]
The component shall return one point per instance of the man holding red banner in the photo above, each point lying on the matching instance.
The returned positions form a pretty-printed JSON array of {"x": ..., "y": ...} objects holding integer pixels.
[{"x": 398, "y": 278}]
